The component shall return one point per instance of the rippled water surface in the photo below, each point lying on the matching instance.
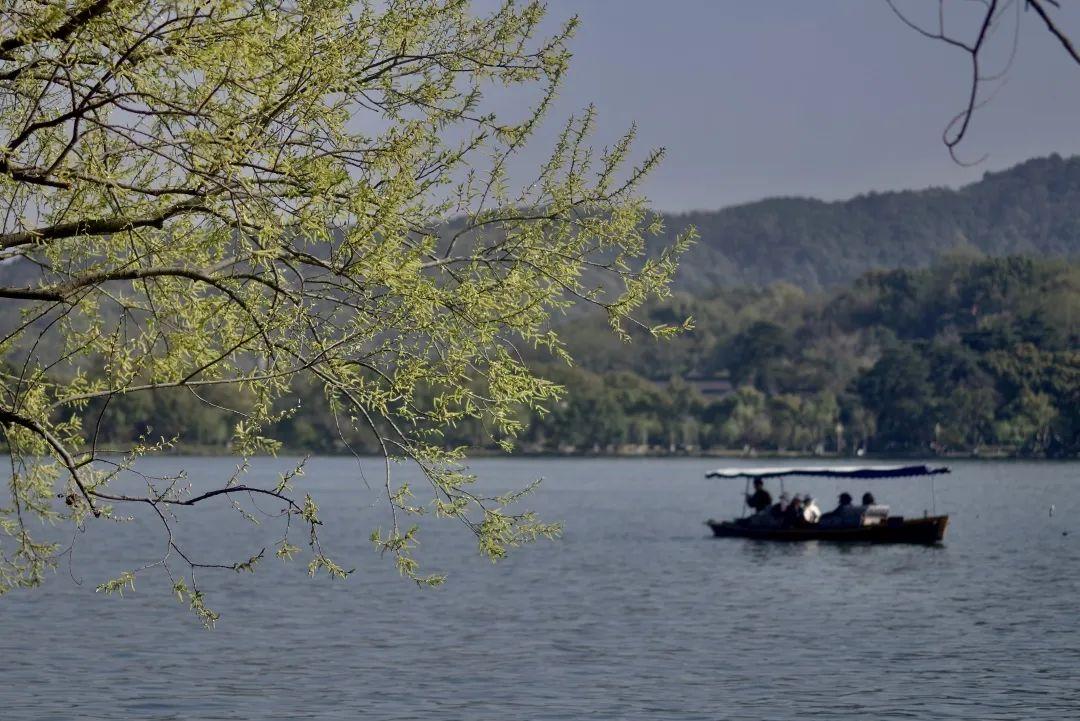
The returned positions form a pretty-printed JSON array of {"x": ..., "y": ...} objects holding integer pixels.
[{"x": 635, "y": 613}]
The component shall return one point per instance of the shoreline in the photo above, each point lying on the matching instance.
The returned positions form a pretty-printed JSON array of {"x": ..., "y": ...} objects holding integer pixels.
[{"x": 734, "y": 455}]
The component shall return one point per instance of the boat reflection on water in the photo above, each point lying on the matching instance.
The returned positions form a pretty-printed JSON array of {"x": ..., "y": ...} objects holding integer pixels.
[{"x": 865, "y": 524}]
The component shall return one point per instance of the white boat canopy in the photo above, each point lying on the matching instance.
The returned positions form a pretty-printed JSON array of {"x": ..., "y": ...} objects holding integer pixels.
[{"x": 829, "y": 471}]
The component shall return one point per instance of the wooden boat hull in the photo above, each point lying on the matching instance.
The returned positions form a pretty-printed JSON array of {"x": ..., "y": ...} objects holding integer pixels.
[{"x": 928, "y": 531}]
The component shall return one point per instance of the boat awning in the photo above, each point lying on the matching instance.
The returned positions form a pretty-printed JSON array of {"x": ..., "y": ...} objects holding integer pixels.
[{"x": 829, "y": 471}]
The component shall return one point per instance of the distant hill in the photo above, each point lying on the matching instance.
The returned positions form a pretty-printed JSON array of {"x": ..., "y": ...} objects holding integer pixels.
[{"x": 1030, "y": 209}]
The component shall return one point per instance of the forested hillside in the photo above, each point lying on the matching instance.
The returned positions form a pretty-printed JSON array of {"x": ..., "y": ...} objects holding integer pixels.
[
  {"x": 896, "y": 323},
  {"x": 1030, "y": 209},
  {"x": 970, "y": 356}
]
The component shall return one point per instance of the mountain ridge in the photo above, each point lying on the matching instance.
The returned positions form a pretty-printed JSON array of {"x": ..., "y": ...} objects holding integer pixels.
[{"x": 1028, "y": 209}]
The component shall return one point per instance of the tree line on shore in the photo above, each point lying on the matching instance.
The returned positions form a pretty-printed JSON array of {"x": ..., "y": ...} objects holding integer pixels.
[{"x": 971, "y": 356}]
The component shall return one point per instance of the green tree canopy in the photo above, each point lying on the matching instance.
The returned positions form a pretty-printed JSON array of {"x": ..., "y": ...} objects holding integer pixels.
[{"x": 237, "y": 193}]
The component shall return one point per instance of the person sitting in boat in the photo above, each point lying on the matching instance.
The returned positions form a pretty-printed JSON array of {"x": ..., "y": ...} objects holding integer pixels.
[
  {"x": 872, "y": 512},
  {"x": 760, "y": 499},
  {"x": 793, "y": 514},
  {"x": 779, "y": 509},
  {"x": 811, "y": 512},
  {"x": 843, "y": 503},
  {"x": 843, "y": 515}
]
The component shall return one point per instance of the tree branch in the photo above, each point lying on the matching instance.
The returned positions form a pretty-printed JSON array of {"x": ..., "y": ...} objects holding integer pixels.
[
  {"x": 97, "y": 226},
  {"x": 10, "y": 417}
]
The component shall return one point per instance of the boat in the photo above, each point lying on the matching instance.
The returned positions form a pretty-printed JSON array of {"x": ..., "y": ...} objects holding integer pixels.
[
  {"x": 929, "y": 530},
  {"x": 870, "y": 524}
]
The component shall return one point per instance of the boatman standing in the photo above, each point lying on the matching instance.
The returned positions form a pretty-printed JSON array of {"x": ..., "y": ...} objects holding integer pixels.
[{"x": 760, "y": 499}]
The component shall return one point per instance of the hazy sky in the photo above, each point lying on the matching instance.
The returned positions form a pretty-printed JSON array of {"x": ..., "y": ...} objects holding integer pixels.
[{"x": 790, "y": 97}]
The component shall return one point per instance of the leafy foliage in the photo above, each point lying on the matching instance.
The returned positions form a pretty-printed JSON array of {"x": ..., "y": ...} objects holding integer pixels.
[{"x": 212, "y": 207}]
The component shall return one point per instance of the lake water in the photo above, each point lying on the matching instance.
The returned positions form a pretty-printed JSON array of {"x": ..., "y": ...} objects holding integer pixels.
[{"x": 635, "y": 613}]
